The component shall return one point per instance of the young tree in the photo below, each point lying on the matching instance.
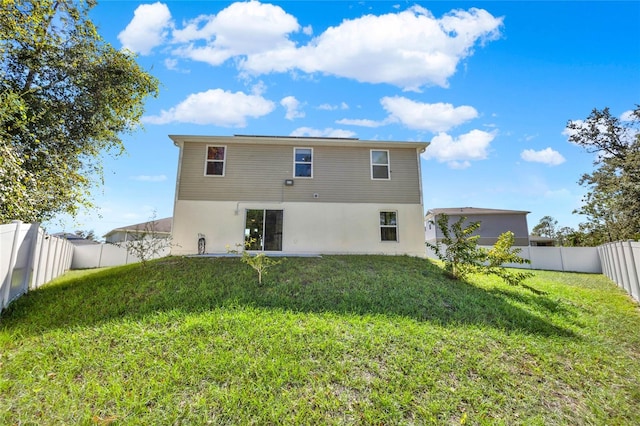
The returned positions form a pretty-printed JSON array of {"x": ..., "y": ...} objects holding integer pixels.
[
  {"x": 147, "y": 243},
  {"x": 612, "y": 203},
  {"x": 501, "y": 253},
  {"x": 260, "y": 262},
  {"x": 459, "y": 247},
  {"x": 66, "y": 96},
  {"x": 461, "y": 255}
]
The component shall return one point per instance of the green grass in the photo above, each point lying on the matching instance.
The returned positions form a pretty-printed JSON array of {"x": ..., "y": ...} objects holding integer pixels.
[{"x": 333, "y": 340}]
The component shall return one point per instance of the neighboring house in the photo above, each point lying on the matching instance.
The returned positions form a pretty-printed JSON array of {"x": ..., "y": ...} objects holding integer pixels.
[
  {"x": 493, "y": 222},
  {"x": 538, "y": 241},
  {"x": 298, "y": 195},
  {"x": 160, "y": 228}
]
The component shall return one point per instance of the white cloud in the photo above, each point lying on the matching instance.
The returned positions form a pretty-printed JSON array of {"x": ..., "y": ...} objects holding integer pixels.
[
  {"x": 438, "y": 117},
  {"x": 292, "y": 105},
  {"x": 409, "y": 49},
  {"x": 327, "y": 133},
  {"x": 361, "y": 122},
  {"x": 147, "y": 178},
  {"x": 458, "y": 152},
  {"x": 329, "y": 107},
  {"x": 459, "y": 165},
  {"x": 546, "y": 156},
  {"x": 243, "y": 28},
  {"x": 148, "y": 28},
  {"x": 217, "y": 107}
]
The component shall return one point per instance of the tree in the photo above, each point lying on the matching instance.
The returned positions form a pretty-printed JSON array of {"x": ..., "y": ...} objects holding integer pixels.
[
  {"x": 260, "y": 262},
  {"x": 66, "y": 97},
  {"x": 567, "y": 237},
  {"x": 461, "y": 255},
  {"x": 147, "y": 243},
  {"x": 545, "y": 228},
  {"x": 459, "y": 247},
  {"x": 501, "y": 253},
  {"x": 87, "y": 235},
  {"x": 612, "y": 202}
]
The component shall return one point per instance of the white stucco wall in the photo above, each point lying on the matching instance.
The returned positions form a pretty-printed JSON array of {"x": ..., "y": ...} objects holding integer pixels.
[{"x": 323, "y": 228}]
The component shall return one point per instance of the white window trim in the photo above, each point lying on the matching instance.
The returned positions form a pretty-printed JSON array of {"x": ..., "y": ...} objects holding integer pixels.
[
  {"x": 388, "y": 164},
  {"x": 302, "y": 162},
  {"x": 207, "y": 161},
  {"x": 397, "y": 240}
]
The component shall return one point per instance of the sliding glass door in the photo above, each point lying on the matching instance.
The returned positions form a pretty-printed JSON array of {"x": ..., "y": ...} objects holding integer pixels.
[{"x": 263, "y": 230}]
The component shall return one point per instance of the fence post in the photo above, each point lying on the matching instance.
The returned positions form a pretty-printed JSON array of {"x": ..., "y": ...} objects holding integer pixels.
[
  {"x": 626, "y": 284},
  {"x": 634, "y": 280},
  {"x": 100, "y": 255},
  {"x": 12, "y": 263},
  {"x": 604, "y": 256},
  {"x": 34, "y": 228}
]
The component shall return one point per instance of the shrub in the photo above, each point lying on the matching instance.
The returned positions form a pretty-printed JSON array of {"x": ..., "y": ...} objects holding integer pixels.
[{"x": 461, "y": 255}]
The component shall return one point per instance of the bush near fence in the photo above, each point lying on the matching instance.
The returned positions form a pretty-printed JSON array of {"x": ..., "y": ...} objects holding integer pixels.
[{"x": 29, "y": 258}]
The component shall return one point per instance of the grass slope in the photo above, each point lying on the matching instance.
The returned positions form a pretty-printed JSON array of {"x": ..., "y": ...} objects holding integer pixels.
[{"x": 333, "y": 340}]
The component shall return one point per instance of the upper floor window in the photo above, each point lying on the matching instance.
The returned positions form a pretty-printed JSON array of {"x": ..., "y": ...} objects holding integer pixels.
[
  {"x": 214, "y": 165},
  {"x": 380, "y": 164},
  {"x": 303, "y": 162},
  {"x": 388, "y": 226}
]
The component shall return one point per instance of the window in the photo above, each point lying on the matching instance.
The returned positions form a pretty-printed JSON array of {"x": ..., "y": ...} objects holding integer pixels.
[
  {"x": 388, "y": 226},
  {"x": 214, "y": 165},
  {"x": 380, "y": 164},
  {"x": 303, "y": 162}
]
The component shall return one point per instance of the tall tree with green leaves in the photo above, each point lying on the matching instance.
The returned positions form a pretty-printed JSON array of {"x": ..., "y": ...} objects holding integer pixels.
[
  {"x": 546, "y": 227},
  {"x": 612, "y": 202},
  {"x": 66, "y": 98}
]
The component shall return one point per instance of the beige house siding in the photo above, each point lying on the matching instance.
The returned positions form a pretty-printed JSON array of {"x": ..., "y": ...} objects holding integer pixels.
[{"x": 341, "y": 174}]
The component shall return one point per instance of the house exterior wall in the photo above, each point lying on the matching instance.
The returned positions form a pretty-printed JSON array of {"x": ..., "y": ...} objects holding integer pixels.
[
  {"x": 116, "y": 237},
  {"x": 491, "y": 226},
  {"x": 337, "y": 210},
  {"x": 257, "y": 173},
  {"x": 308, "y": 227}
]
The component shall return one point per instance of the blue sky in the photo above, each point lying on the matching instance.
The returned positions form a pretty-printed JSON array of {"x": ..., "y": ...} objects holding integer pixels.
[{"x": 490, "y": 84}]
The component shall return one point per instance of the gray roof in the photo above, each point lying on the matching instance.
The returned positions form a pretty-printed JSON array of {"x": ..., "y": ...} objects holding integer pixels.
[
  {"x": 74, "y": 239},
  {"x": 162, "y": 226},
  {"x": 457, "y": 211},
  {"x": 294, "y": 141}
]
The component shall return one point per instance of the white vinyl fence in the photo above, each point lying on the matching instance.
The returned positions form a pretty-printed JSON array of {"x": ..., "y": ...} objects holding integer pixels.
[
  {"x": 102, "y": 255},
  {"x": 621, "y": 263},
  {"x": 29, "y": 258},
  {"x": 567, "y": 259}
]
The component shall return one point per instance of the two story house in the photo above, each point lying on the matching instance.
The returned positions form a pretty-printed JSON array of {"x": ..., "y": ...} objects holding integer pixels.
[
  {"x": 493, "y": 222},
  {"x": 298, "y": 195}
]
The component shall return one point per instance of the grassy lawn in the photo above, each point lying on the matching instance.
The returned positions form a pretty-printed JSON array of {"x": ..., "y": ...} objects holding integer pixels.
[{"x": 332, "y": 340}]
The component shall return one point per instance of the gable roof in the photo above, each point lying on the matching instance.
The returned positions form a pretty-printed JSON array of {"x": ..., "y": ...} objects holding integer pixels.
[
  {"x": 458, "y": 211},
  {"x": 161, "y": 226}
]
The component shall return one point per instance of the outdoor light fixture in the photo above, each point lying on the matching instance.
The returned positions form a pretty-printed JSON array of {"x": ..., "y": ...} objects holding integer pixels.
[{"x": 288, "y": 182}]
